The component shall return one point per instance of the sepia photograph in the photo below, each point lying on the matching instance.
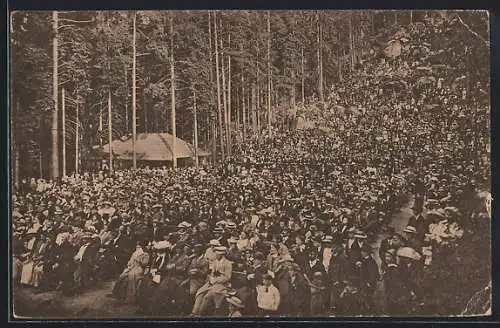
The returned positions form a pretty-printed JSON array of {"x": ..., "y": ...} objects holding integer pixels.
[{"x": 250, "y": 163}]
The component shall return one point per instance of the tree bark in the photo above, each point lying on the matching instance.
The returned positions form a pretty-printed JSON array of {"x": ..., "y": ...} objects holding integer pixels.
[
  {"x": 269, "y": 117},
  {"x": 254, "y": 109},
  {"x": 303, "y": 77},
  {"x": 351, "y": 45},
  {"x": 126, "y": 98},
  {"x": 229, "y": 107},
  {"x": 63, "y": 132},
  {"x": 172, "y": 91},
  {"x": 134, "y": 108},
  {"x": 243, "y": 105},
  {"x": 55, "y": 86},
  {"x": 110, "y": 134},
  {"x": 212, "y": 96},
  {"x": 145, "y": 108},
  {"x": 320, "y": 64},
  {"x": 77, "y": 137},
  {"x": 196, "y": 159},
  {"x": 217, "y": 76}
]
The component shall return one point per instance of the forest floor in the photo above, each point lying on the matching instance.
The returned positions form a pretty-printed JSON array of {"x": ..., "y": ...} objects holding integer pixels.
[{"x": 94, "y": 304}]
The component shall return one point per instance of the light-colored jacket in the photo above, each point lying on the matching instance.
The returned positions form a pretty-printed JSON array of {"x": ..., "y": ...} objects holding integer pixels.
[{"x": 268, "y": 298}]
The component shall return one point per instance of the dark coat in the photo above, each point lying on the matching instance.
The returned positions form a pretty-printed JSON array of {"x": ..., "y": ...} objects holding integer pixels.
[
  {"x": 299, "y": 294},
  {"x": 369, "y": 274},
  {"x": 318, "y": 267}
]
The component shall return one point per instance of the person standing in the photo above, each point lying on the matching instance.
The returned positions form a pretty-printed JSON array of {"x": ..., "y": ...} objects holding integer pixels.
[{"x": 268, "y": 297}]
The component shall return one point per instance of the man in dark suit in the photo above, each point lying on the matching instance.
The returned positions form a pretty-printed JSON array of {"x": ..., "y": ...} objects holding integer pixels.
[
  {"x": 314, "y": 264},
  {"x": 369, "y": 276},
  {"x": 300, "y": 257}
]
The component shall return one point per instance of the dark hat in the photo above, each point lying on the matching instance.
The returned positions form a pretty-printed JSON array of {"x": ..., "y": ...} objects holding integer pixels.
[
  {"x": 267, "y": 276},
  {"x": 366, "y": 248}
]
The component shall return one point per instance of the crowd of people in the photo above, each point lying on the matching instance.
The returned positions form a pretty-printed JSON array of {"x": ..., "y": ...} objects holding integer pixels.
[{"x": 286, "y": 226}]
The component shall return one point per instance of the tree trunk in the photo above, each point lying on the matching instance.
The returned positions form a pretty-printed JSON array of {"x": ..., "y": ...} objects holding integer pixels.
[
  {"x": 229, "y": 107},
  {"x": 244, "y": 114},
  {"x": 411, "y": 16},
  {"x": 126, "y": 98},
  {"x": 145, "y": 108},
  {"x": 55, "y": 86},
  {"x": 77, "y": 137},
  {"x": 320, "y": 64},
  {"x": 217, "y": 76},
  {"x": 196, "y": 160},
  {"x": 212, "y": 96},
  {"x": 351, "y": 45},
  {"x": 172, "y": 91},
  {"x": 237, "y": 125},
  {"x": 339, "y": 64},
  {"x": 224, "y": 95},
  {"x": 254, "y": 110},
  {"x": 269, "y": 117},
  {"x": 294, "y": 109},
  {"x": 63, "y": 132},
  {"x": 110, "y": 134},
  {"x": 40, "y": 154},
  {"x": 303, "y": 77},
  {"x": 134, "y": 109}
]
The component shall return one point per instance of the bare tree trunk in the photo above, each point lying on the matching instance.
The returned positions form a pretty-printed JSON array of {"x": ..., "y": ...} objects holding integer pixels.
[
  {"x": 294, "y": 109},
  {"x": 351, "y": 45},
  {"x": 55, "y": 86},
  {"x": 339, "y": 64},
  {"x": 254, "y": 109},
  {"x": 40, "y": 154},
  {"x": 238, "y": 125},
  {"x": 224, "y": 96},
  {"x": 244, "y": 123},
  {"x": 126, "y": 98},
  {"x": 63, "y": 132},
  {"x": 172, "y": 91},
  {"x": 77, "y": 136},
  {"x": 217, "y": 76},
  {"x": 101, "y": 126},
  {"x": 229, "y": 133},
  {"x": 320, "y": 64},
  {"x": 411, "y": 16},
  {"x": 145, "y": 108},
  {"x": 303, "y": 77},
  {"x": 269, "y": 117},
  {"x": 134, "y": 109},
  {"x": 110, "y": 134},
  {"x": 196, "y": 159},
  {"x": 212, "y": 96}
]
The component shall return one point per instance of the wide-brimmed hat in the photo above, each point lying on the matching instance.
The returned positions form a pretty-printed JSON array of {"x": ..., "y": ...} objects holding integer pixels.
[
  {"x": 232, "y": 240},
  {"x": 184, "y": 225},
  {"x": 214, "y": 242},
  {"x": 161, "y": 245},
  {"x": 408, "y": 252},
  {"x": 360, "y": 234},
  {"x": 220, "y": 250},
  {"x": 410, "y": 229},
  {"x": 327, "y": 239}
]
